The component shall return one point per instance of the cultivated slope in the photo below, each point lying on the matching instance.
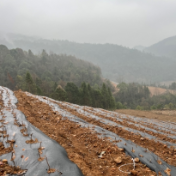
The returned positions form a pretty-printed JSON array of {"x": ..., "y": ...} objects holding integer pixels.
[
  {"x": 24, "y": 146},
  {"x": 95, "y": 139},
  {"x": 148, "y": 140}
]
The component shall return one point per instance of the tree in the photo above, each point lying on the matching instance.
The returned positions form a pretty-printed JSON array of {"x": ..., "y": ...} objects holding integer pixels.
[
  {"x": 97, "y": 98},
  {"x": 20, "y": 83},
  {"x": 39, "y": 91},
  {"x": 73, "y": 94},
  {"x": 104, "y": 93},
  {"x": 119, "y": 105},
  {"x": 60, "y": 94},
  {"x": 111, "y": 99},
  {"x": 85, "y": 95},
  {"x": 29, "y": 83}
]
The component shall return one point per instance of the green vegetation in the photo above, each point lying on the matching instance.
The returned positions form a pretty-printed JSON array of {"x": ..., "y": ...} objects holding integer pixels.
[
  {"x": 136, "y": 96},
  {"x": 117, "y": 63},
  {"x": 85, "y": 95},
  {"x": 44, "y": 70},
  {"x": 173, "y": 86},
  {"x": 61, "y": 77}
]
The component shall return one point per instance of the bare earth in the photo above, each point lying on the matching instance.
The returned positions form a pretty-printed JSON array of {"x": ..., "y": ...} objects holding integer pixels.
[
  {"x": 159, "y": 91},
  {"x": 164, "y": 115}
]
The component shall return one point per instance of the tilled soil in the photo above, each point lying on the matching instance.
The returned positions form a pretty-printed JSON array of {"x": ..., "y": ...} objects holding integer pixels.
[
  {"x": 167, "y": 154},
  {"x": 124, "y": 123},
  {"x": 94, "y": 156}
]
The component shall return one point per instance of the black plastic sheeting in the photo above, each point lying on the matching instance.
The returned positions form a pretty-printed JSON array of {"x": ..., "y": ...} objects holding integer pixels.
[
  {"x": 159, "y": 125},
  {"x": 156, "y": 124},
  {"x": 80, "y": 110},
  {"x": 146, "y": 157},
  {"x": 56, "y": 154}
]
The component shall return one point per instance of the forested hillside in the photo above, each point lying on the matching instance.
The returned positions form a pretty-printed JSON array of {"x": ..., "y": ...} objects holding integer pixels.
[
  {"x": 116, "y": 62},
  {"x": 46, "y": 69},
  {"x": 61, "y": 77}
]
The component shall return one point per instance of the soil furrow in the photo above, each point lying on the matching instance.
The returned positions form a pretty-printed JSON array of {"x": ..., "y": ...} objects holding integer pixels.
[{"x": 167, "y": 154}]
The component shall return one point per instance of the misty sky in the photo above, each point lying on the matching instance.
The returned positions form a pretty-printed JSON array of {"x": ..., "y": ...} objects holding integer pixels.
[{"x": 122, "y": 22}]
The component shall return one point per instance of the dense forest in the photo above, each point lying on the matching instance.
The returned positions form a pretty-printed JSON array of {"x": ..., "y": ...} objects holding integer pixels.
[
  {"x": 45, "y": 68},
  {"x": 117, "y": 63},
  {"x": 61, "y": 77}
]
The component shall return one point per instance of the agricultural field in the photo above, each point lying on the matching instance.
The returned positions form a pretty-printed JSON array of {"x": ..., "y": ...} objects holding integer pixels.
[
  {"x": 41, "y": 136},
  {"x": 162, "y": 115}
]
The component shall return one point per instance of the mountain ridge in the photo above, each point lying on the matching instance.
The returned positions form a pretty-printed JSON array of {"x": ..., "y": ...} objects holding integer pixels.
[
  {"x": 165, "y": 47},
  {"x": 116, "y": 62}
]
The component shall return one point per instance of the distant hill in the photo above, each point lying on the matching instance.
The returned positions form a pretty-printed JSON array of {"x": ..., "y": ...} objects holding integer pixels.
[
  {"x": 117, "y": 63},
  {"x": 166, "y": 47}
]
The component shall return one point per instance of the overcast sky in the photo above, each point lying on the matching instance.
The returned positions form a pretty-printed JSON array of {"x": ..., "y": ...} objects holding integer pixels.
[{"x": 122, "y": 22}]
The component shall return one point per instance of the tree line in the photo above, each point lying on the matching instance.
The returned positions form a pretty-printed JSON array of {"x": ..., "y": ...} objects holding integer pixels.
[
  {"x": 136, "y": 96},
  {"x": 85, "y": 94}
]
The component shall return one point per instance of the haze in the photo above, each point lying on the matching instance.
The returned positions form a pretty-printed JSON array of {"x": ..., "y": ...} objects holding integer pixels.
[{"x": 123, "y": 22}]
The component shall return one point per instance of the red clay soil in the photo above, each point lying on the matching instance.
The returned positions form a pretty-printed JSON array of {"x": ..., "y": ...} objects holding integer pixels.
[
  {"x": 167, "y": 154},
  {"x": 126, "y": 124},
  {"x": 82, "y": 144}
]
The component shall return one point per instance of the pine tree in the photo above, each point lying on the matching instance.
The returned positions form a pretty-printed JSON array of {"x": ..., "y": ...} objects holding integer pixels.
[
  {"x": 60, "y": 94},
  {"x": 73, "y": 94},
  {"x": 104, "y": 93},
  {"x": 90, "y": 94},
  {"x": 97, "y": 98},
  {"x": 39, "y": 91},
  {"x": 111, "y": 99},
  {"x": 29, "y": 82},
  {"x": 85, "y": 96}
]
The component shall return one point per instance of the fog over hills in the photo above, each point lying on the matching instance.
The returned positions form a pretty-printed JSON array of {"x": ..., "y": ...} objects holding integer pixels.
[
  {"x": 166, "y": 47},
  {"x": 116, "y": 62}
]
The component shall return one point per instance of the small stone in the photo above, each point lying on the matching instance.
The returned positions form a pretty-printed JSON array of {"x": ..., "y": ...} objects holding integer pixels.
[
  {"x": 142, "y": 139},
  {"x": 121, "y": 149},
  {"x": 118, "y": 160},
  {"x": 134, "y": 172},
  {"x": 136, "y": 160},
  {"x": 5, "y": 161}
]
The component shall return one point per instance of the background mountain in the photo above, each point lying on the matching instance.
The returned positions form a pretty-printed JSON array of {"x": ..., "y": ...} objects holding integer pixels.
[
  {"x": 117, "y": 63},
  {"x": 166, "y": 47}
]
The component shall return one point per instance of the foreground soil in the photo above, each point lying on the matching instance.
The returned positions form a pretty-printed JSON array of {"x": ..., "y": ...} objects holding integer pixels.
[
  {"x": 94, "y": 156},
  {"x": 160, "y": 149}
]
